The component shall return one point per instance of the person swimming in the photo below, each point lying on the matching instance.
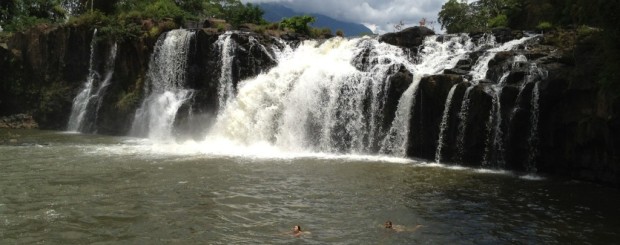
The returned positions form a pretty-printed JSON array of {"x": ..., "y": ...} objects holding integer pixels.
[
  {"x": 297, "y": 231},
  {"x": 398, "y": 228},
  {"x": 388, "y": 224}
]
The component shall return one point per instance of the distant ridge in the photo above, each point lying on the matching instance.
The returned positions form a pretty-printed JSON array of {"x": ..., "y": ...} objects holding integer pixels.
[{"x": 275, "y": 13}]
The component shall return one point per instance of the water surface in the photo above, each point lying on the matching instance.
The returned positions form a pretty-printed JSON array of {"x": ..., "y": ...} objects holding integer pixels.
[{"x": 59, "y": 188}]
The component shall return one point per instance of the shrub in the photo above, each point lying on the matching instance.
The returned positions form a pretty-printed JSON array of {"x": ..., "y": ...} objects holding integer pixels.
[
  {"x": 91, "y": 18},
  {"x": 544, "y": 26},
  {"x": 320, "y": 32},
  {"x": 339, "y": 33}
]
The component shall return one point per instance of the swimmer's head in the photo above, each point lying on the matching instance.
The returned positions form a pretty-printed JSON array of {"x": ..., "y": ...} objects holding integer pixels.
[
  {"x": 388, "y": 224},
  {"x": 296, "y": 228}
]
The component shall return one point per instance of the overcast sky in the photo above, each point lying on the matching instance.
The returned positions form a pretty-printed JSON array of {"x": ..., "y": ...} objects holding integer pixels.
[{"x": 379, "y": 15}]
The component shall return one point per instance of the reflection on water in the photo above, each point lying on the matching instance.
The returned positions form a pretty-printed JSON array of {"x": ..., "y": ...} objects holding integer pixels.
[{"x": 65, "y": 188}]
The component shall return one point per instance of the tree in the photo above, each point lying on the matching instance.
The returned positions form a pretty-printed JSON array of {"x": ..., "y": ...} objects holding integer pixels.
[
  {"x": 454, "y": 16},
  {"x": 298, "y": 24},
  {"x": 237, "y": 14}
]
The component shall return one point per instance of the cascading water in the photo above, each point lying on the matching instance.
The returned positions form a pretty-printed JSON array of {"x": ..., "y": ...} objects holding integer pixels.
[
  {"x": 87, "y": 103},
  {"x": 226, "y": 90},
  {"x": 444, "y": 124},
  {"x": 110, "y": 64},
  {"x": 535, "y": 75},
  {"x": 463, "y": 114},
  {"x": 322, "y": 98},
  {"x": 479, "y": 70},
  {"x": 80, "y": 102},
  {"x": 165, "y": 86},
  {"x": 434, "y": 57}
]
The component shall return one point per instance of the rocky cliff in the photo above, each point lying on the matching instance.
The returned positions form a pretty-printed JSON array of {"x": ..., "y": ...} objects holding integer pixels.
[{"x": 538, "y": 109}]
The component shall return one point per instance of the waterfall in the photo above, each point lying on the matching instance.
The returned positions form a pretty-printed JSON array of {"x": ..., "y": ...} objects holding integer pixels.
[
  {"x": 165, "y": 86},
  {"x": 463, "y": 114},
  {"x": 479, "y": 70},
  {"x": 110, "y": 64},
  {"x": 443, "y": 127},
  {"x": 535, "y": 75},
  {"x": 493, "y": 124},
  {"x": 315, "y": 99},
  {"x": 80, "y": 102},
  {"x": 434, "y": 56},
  {"x": 226, "y": 90},
  {"x": 86, "y": 104},
  {"x": 324, "y": 97}
]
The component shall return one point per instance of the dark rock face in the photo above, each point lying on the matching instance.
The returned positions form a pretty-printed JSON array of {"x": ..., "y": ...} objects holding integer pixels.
[
  {"x": 409, "y": 38},
  {"x": 51, "y": 63},
  {"x": 427, "y": 113},
  {"x": 578, "y": 124}
]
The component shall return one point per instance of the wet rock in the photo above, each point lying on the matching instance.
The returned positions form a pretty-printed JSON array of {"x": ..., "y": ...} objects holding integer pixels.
[
  {"x": 427, "y": 113},
  {"x": 18, "y": 121}
]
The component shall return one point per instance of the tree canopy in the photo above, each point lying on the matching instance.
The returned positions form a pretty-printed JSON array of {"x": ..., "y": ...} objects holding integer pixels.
[
  {"x": 21, "y": 14},
  {"x": 461, "y": 16}
]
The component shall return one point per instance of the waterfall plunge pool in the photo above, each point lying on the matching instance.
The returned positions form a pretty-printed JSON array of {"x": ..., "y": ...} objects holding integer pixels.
[{"x": 59, "y": 188}]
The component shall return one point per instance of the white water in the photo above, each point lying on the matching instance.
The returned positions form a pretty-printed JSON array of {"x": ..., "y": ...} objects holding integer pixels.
[
  {"x": 80, "y": 102},
  {"x": 535, "y": 75},
  {"x": 479, "y": 70},
  {"x": 226, "y": 90},
  {"x": 87, "y": 103},
  {"x": 433, "y": 58},
  {"x": 110, "y": 64},
  {"x": 463, "y": 114},
  {"x": 443, "y": 127},
  {"x": 315, "y": 100},
  {"x": 164, "y": 87}
]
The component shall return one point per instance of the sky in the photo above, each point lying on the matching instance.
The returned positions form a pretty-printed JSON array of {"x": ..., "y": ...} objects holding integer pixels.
[{"x": 379, "y": 15}]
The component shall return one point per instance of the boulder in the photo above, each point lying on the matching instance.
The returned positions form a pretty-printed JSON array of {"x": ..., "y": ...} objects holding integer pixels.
[{"x": 409, "y": 38}]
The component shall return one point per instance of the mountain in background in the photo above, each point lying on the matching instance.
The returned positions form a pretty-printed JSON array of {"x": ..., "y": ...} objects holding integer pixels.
[{"x": 275, "y": 13}]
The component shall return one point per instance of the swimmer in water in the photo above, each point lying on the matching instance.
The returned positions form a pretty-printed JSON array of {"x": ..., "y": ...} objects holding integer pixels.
[
  {"x": 398, "y": 228},
  {"x": 297, "y": 231}
]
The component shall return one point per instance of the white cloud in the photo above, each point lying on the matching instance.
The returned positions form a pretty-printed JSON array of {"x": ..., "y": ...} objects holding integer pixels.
[{"x": 381, "y": 15}]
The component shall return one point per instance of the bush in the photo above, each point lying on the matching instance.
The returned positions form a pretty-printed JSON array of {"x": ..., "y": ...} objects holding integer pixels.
[
  {"x": 544, "y": 26},
  {"x": 320, "y": 32},
  {"x": 91, "y": 18},
  {"x": 339, "y": 33},
  {"x": 237, "y": 14}
]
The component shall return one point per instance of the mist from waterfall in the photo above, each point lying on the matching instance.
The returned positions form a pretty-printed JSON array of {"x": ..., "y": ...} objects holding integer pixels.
[{"x": 323, "y": 98}]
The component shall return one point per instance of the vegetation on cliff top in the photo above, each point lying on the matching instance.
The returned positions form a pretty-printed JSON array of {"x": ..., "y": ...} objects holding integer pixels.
[
  {"x": 547, "y": 15},
  {"x": 124, "y": 19}
]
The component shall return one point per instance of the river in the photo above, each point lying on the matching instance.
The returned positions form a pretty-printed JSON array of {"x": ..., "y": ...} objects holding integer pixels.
[{"x": 61, "y": 188}]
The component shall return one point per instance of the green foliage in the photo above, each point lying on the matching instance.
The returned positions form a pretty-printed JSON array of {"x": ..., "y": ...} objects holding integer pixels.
[
  {"x": 544, "y": 26},
  {"x": 19, "y": 15},
  {"x": 320, "y": 32},
  {"x": 339, "y": 33},
  {"x": 298, "y": 24},
  {"x": 163, "y": 9},
  {"x": 91, "y": 18},
  {"x": 499, "y": 21},
  {"x": 127, "y": 101},
  {"x": 454, "y": 16},
  {"x": 237, "y": 14},
  {"x": 459, "y": 16}
]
